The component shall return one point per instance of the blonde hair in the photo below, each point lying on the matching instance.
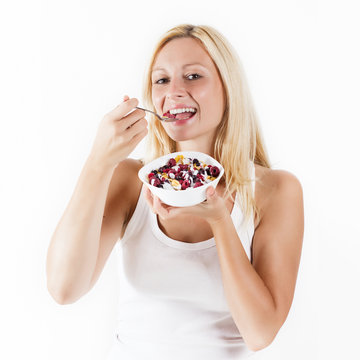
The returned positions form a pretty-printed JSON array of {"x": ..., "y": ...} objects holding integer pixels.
[{"x": 239, "y": 140}]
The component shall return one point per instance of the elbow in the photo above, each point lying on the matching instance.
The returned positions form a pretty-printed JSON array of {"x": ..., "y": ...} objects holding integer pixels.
[
  {"x": 260, "y": 343},
  {"x": 61, "y": 296},
  {"x": 259, "y": 346}
]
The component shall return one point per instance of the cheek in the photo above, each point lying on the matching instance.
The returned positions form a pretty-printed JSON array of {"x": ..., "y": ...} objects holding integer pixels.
[
  {"x": 156, "y": 99},
  {"x": 211, "y": 97}
]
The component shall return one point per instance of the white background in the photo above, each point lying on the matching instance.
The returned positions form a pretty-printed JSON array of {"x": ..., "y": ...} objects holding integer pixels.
[{"x": 65, "y": 64}]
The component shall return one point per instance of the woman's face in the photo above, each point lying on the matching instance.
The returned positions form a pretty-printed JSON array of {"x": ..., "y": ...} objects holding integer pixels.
[{"x": 184, "y": 77}]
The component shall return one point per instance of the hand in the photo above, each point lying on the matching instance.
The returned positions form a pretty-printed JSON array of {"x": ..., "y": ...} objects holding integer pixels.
[
  {"x": 118, "y": 134},
  {"x": 212, "y": 210}
]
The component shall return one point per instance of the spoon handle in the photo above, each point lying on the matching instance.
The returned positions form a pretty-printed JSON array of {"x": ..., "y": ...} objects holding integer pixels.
[{"x": 157, "y": 115}]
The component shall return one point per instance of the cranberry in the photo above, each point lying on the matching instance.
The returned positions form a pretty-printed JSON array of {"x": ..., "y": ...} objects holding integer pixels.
[
  {"x": 152, "y": 174},
  {"x": 185, "y": 184},
  {"x": 197, "y": 184},
  {"x": 171, "y": 162},
  {"x": 155, "y": 182}
]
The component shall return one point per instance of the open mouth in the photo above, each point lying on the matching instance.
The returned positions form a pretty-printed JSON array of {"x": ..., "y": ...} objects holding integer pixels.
[{"x": 181, "y": 114}]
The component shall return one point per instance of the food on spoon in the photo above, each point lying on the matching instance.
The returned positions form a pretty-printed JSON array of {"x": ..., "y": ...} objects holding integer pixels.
[{"x": 181, "y": 173}]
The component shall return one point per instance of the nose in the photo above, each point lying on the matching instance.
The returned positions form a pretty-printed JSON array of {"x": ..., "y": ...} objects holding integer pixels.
[{"x": 176, "y": 89}]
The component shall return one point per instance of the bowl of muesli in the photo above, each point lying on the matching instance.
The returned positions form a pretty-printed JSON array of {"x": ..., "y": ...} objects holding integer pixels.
[{"x": 181, "y": 178}]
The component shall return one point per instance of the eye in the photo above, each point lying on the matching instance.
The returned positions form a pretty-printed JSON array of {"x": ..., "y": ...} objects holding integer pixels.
[
  {"x": 161, "y": 81},
  {"x": 193, "y": 76}
]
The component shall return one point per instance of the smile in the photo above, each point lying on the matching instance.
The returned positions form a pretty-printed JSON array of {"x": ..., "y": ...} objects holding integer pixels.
[{"x": 181, "y": 114}]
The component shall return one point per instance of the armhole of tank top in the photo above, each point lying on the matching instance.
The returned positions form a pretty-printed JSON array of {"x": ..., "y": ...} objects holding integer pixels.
[
  {"x": 253, "y": 178},
  {"x": 133, "y": 223},
  {"x": 250, "y": 238}
]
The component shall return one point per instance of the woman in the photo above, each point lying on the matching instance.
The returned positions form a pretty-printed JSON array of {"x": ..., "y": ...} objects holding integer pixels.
[{"x": 211, "y": 281}]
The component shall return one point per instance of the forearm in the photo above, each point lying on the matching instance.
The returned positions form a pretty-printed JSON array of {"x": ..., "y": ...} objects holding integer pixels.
[
  {"x": 73, "y": 249},
  {"x": 250, "y": 301}
]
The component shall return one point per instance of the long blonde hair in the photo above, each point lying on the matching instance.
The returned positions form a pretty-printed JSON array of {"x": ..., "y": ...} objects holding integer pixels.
[{"x": 239, "y": 140}]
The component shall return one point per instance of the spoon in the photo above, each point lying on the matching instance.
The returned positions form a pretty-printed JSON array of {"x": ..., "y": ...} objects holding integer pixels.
[{"x": 166, "y": 119}]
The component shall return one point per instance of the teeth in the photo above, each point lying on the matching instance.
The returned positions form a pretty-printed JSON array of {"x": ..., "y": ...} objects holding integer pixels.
[{"x": 179, "y": 111}]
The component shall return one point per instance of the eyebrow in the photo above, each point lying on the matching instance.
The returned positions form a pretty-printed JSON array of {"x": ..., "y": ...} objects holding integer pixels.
[{"x": 186, "y": 65}]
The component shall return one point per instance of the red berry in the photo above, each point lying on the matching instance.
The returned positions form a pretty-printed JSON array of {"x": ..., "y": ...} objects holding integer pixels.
[
  {"x": 197, "y": 184},
  {"x": 154, "y": 181},
  {"x": 185, "y": 184},
  {"x": 171, "y": 162}
]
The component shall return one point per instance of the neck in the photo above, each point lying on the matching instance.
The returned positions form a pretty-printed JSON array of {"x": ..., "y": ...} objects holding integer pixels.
[{"x": 201, "y": 145}]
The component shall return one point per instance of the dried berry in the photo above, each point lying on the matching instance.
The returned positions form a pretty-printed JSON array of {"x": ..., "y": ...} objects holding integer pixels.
[
  {"x": 185, "y": 184},
  {"x": 171, "y": 162},
  {"x": 155, "y": 182}
]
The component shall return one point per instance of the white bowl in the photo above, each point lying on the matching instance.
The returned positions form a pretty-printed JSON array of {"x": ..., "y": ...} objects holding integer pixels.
[{"x": 181, "y": 198}]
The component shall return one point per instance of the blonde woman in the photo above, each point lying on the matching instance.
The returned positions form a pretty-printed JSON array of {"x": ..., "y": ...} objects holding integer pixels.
[{"x": 212, "y": 281}]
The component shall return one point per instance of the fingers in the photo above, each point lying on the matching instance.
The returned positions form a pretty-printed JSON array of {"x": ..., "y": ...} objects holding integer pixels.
[
  {"x": 122, "y": 109},
  {"x": 136, "y": 128},
  {"x": 148, "y": 197},
  {"x": 155, "y": 204},
  {"x": 138, "y": 137},
  {"x": 130, "y": 119},
  {"x": 160, "y": 208}
]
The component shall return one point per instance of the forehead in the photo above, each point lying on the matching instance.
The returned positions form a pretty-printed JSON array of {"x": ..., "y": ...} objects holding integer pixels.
[{"x": 179, "y": 52}]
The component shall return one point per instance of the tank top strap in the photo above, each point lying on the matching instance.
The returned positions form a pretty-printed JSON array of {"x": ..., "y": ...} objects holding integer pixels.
[
  {"x": 137, "y": 217},
  {"x": 253, "y": 177}
]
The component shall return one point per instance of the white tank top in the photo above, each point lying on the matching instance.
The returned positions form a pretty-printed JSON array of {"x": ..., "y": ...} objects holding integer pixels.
[{"x": 172, "y": 303}]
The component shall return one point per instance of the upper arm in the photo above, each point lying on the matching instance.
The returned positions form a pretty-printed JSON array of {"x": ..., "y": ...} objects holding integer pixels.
[
  {"x": 121, "y": 201},
  {"x": 277, "y": 241}
]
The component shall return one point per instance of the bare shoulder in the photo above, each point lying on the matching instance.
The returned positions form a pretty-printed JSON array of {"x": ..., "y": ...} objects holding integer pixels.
[
  {"x": 277, "y": 241},
  {"x": 274, "y": 185}
]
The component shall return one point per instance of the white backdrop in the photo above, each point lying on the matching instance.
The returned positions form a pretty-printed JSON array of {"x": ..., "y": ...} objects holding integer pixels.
[{"x": 65, "y": 64}]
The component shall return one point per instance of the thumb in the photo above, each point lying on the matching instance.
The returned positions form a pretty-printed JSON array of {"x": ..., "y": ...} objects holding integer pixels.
[
  {"x": 126, "y": 98},
  {"x": 210, "y": 193}
]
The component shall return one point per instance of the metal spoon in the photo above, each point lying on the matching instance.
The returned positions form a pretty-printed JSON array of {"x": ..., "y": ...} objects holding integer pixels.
[{"x": 166, "y": 119}]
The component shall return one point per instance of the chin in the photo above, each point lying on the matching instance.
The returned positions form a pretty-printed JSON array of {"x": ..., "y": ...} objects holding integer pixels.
[{"x": 180, "y": 136}]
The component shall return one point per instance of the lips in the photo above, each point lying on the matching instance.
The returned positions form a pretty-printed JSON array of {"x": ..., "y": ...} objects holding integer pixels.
[
  {"x": 183, "y": 121},
  {"x": 181, "y": 113}
]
